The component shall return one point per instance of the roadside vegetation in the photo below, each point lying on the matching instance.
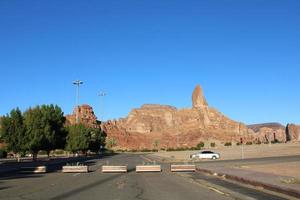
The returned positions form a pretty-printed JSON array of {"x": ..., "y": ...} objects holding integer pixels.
[{"x": 42, "y": 129}]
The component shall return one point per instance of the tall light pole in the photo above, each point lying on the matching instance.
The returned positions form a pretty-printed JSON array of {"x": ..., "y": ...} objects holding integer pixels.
[
  {"x": 102, "y": 95},
  {"x": 77, "y": 83}
]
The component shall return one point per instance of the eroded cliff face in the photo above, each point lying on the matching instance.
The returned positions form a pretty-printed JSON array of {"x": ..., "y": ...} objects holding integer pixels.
[
  {"x": 86, "y": 116},
  {"x": 158, "y": 126},
  {"x": 269, "y": 132},
  {"x": 293, "y": 132}
]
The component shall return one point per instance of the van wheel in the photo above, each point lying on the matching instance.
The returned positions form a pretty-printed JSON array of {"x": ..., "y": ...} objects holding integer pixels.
[{"x": 214, "y": 157}]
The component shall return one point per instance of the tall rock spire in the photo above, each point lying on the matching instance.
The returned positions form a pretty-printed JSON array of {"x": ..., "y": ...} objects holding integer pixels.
[{"x": 198, "y": 98}]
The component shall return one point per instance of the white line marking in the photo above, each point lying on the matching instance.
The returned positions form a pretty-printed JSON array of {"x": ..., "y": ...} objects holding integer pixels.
[
  {"x": 76, "y": 174},
  {"x": 215, "y": 190}
]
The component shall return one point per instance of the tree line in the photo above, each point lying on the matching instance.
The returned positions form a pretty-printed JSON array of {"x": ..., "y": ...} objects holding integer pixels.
[{"x": 44, "y": 128}]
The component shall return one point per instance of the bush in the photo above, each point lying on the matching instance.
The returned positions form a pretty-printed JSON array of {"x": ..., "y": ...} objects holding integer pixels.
[
  {"x": 193, "y": 148},
  {"x": 170, "y": 149},
  {"x": 145, "y": 150},
  {"x": 275, "y": 141},
  {"x": 3, "y": 153},
  {"x": 212, "y": 144},
  {"x": 248, "y": 143},
  {"x": 228, "y": 144},
  {"x": 181, "y": 149},
  {"x": 238, "y": 144},
  {"x": 258, "y": 142},
  {"x": 200, "y": 145}
]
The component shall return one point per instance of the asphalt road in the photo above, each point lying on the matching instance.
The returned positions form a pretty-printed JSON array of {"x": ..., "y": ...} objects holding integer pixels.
[{"x": 132, "y": 185}]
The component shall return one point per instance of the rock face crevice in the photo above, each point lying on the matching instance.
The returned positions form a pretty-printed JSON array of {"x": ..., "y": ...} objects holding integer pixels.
[{"x": 160, "y": 126}]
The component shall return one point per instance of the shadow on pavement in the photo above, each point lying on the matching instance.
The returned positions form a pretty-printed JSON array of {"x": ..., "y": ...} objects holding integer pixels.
[
  {"x": 86, "y": 187},
  {"x": 51, "y": 167},
  {"x": 20, "y": 175}
]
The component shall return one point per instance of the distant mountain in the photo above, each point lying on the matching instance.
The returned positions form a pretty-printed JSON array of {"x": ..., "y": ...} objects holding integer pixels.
[
  {"x": 271, "y": 125},
  {"x": 163, "y": 127}
]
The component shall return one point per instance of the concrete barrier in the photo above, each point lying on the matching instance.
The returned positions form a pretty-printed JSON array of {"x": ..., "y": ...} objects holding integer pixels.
[
  {"x": 183, "y": 168},
  {"x": 75, "y": 169},
  {"x": 148, "y": 168},
  {"x": 114, "y": 169},
  {"x": 38, "y": 169}
]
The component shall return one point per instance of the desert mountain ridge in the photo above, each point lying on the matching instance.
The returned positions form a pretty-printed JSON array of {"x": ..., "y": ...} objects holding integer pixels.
[{"x": 154, "y": 126}]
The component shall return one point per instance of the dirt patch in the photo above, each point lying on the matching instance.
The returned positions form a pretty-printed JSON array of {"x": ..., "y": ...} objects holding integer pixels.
[{"x": 235, "y": 152}]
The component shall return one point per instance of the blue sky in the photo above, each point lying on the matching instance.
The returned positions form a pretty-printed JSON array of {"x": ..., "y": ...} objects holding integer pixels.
[{"x": 245, "y": 55}]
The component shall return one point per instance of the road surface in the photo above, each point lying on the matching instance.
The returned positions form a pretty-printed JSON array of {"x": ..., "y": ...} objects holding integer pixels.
[{"x": 132, "y": 185}]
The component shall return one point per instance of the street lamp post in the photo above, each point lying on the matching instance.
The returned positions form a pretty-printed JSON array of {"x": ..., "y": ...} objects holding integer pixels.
[
  {"x": 101, "y": 95},
  {"x": 77, "y": 83}
]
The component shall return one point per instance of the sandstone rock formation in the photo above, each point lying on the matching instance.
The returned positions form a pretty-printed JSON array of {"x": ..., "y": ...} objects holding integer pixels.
[
  {"x": 85, "y": 115},
  {"x": 293, "y": 132},
  {"x": 158, "y": 126},
  {"x": 269, "y": 132},
  {"x": 198, "y": 98}
]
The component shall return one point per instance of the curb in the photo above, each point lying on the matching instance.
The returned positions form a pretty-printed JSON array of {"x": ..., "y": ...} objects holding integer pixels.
[
  {"x": 270, "y": 187},
  {"x": 45, "y": 163}
]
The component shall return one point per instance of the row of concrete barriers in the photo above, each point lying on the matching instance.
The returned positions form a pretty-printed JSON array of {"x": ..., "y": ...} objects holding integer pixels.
[{"x": 113, "y": 169}]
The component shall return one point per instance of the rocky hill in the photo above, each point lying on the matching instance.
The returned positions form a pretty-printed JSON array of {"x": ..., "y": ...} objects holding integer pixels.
[
  {"x": 268, "y": 132},
  {"x": 293, "y": 132},
  {"x": 160, "y": 126},
  {"x": 86, "y": 116},
  {"x": 272, "y": 125}
]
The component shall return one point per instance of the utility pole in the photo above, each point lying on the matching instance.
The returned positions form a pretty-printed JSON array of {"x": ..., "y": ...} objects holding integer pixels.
[
  {"x": 77, "y": 83},
  {"x": 242, "y": 144},
  {"x": 101, "y": 95}
]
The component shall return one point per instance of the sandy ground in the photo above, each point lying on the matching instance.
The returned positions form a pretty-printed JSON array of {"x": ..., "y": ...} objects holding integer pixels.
[
  {"x": 235, "y": 152},
  {"x": 290, "y": 169}
]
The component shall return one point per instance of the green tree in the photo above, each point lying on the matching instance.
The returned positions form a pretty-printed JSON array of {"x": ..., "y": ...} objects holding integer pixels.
[
  {"x": 78, "y": 138},
  {"x": 97, "y": 139},
  {"x": 110, "y": 142},
  {"x": 53, "y": 121},
  {"x": 44, "y": 128},
  {"x": 12, "y": 131}
]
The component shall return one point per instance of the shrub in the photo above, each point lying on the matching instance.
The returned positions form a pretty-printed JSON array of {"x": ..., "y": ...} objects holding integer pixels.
[
  {"x": 238, "y": 144},
  {"x": 193, "y": 148},
  {"x": 200, "y": 145},
  {"x": 170, "y": 149},
  {"x": 275, "y": 141},
  {"x": 145, "y": 150},
  {"x": 3, "y": 153},
  {"x": 181, "y": 149},
  {"x": 227, "y": 144},
  {"x": 212, "y": 144},
  {"x": 258, "y": 142},
  {"x": 248, "y": 143}
]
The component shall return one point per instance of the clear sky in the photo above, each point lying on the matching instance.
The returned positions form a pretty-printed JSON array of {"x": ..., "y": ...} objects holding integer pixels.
[{"x": 244, "y": 53}]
